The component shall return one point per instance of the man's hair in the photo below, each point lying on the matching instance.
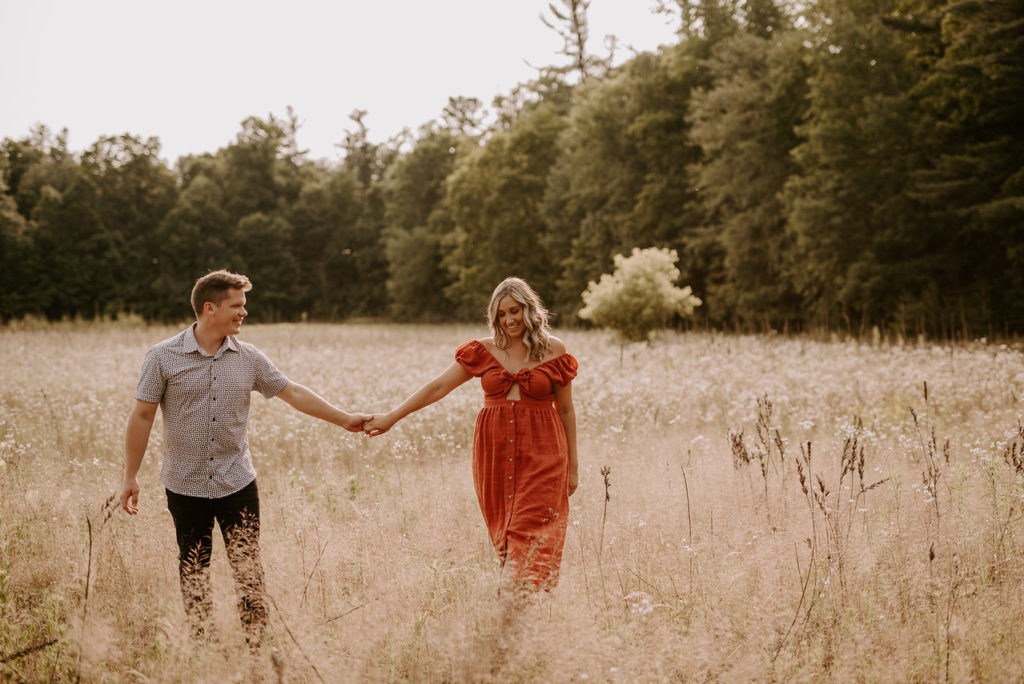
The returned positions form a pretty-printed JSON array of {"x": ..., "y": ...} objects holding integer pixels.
[{"x": 214, "y": 286}]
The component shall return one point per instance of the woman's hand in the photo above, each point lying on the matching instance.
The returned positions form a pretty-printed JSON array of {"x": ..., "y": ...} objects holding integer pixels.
[
  {"x": 378, "y": 424},
  {"x": 573, "y": 479},
  {"x": 355, "y": 422}
]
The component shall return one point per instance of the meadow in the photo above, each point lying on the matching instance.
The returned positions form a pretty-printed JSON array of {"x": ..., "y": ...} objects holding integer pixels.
[{"x": 751, "y": 508}]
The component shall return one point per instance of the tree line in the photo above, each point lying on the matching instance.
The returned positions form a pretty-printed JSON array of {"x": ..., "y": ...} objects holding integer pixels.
[{"x": 835, "y": 164}]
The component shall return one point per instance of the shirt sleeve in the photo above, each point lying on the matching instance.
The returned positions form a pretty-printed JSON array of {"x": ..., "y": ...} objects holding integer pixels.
[
  {"x": 472, "y": 356},
  {"x": 268, "y": 380},
  {"x": 563, "y": 369},
  {"x": 152, "y": 382}
]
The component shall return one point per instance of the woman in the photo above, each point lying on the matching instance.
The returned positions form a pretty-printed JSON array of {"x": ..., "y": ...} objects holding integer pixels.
[{"x": 524, "y": 447}]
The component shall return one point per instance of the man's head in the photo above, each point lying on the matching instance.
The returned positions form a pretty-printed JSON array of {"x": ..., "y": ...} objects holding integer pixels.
[{"x": 214, "y": 287}]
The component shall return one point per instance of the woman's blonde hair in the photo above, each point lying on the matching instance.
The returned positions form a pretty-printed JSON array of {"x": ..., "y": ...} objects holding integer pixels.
[{"x": 536, "y": 335}]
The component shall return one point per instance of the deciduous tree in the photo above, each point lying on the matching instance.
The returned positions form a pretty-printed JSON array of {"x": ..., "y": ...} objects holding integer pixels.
[{"x": 640, "y": 296}]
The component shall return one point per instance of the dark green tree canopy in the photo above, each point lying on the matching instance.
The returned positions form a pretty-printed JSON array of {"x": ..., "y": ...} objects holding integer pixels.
[{"x": 836, "y": 164}]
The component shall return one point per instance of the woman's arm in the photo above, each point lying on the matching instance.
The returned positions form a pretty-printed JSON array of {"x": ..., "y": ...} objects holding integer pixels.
[
  {"x": 452, "y": 377},
  {"x": 566, "y": 411}
]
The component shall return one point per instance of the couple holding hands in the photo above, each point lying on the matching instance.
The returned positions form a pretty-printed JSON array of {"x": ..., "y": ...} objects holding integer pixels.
[{"x": 524, "y": 445}]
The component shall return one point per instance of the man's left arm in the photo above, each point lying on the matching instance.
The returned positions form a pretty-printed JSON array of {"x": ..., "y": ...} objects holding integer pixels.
[{"x": 303, "y": 399}]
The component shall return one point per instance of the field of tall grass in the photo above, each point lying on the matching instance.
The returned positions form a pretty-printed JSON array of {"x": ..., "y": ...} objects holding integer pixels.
[{"x": 750, "y": 509}]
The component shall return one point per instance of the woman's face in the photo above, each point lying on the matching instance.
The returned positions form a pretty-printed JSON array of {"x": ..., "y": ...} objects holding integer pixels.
[{"x": 510, "y": 316}]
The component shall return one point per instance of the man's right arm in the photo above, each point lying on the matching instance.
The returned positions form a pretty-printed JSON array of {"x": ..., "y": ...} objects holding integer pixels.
[{"x": 140, "y": 423}]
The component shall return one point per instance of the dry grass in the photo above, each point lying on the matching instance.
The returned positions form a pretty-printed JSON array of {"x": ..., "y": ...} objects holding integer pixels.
[{"x": 867, "y": 525}]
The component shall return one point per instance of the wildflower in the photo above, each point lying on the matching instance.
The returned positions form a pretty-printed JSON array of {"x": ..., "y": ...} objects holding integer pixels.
[{"x": 640, "y": 603}]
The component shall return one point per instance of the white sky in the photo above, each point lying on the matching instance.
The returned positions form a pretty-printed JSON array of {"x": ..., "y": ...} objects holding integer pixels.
[{"x": 190, "y": 71}]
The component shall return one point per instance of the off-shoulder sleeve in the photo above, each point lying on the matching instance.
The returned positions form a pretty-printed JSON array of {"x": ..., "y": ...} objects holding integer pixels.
[
  {"x": 562, "y": 369},
  {"x": 473, "y": 356}
]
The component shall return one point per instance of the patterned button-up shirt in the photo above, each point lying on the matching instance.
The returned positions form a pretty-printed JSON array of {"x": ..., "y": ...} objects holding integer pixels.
[{"x": 205, "y": 405}]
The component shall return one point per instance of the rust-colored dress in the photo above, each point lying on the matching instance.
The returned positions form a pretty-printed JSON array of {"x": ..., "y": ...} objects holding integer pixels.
[{"x": 521, "y": 462}]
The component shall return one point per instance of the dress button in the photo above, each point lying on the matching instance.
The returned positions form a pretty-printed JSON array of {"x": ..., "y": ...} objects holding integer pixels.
[
  {"x": 509, "y": 477},
  {"x": 509, "y": 441}
]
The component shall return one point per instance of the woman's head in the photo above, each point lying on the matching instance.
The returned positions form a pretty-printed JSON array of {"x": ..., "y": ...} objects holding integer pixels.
[{"x": 514, "y": 297}]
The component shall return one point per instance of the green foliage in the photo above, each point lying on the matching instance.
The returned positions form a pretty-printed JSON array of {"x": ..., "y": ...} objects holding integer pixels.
[
  {"x": 836, "y": 164},
  {"x": 639, "y": 297},
  {"x": 265, "y": 241},
  {"x": 134, "y": 191},
  {"x": 972, "y": 102},
  {"x": 75, "y": 250},
  {"x": 17, "y": 293},
  {"x": 622, "y": 178},
  {"x": 493, "y": 197},
  {"x": 858, "y": 238},
  {"x": 323, "y": 220},
  {"x": 417, "y": 220},
  {"x": 745, "y": 124}
]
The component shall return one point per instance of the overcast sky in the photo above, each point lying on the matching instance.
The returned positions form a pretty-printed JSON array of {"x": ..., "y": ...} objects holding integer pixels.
[{"x": 190, "y": 71}]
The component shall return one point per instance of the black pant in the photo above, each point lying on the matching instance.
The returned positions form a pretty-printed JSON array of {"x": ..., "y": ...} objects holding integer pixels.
[{"x": 238, "y": 515}]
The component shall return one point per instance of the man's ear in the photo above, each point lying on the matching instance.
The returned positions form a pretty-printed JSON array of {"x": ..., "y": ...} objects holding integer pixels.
[{"x": 207, "y": 307}]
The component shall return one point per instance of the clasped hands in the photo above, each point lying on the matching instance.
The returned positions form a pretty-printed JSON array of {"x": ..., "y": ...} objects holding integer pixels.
[{"x": 370, "y": 424}]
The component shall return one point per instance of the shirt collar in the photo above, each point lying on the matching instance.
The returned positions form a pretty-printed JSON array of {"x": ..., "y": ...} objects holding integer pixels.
[{"x": 189, "y": 343}]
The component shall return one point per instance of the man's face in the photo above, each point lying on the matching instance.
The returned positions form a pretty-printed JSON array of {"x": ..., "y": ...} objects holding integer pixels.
[{"x": 227, "y": 316}]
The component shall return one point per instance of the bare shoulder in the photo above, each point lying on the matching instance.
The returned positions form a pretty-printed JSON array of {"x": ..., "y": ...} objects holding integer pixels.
[
  {"x": 487, "y": 342},
  {"x": 557, "y": 346}
]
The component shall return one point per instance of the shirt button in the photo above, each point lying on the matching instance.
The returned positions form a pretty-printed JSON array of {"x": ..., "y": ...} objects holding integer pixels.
[{"x": 215, "y": 420}]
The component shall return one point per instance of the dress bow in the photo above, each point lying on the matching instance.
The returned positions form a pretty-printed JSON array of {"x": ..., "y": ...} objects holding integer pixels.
[{"x": 508, "y": 379}]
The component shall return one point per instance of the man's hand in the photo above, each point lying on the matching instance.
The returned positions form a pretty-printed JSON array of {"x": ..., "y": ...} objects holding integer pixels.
[
  {"x": 130, "y": 496},
  {"x": 140, "y": 422},
  {"x": 356, "y": 422}
]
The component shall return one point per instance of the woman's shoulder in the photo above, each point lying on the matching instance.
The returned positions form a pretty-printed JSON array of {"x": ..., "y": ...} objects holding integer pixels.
[
  {"x": 555, "y": 347},
  {"x": 483, "y": 344},
  {"x": 474, "y": 352},
  {"x": 559, "y": 364}
]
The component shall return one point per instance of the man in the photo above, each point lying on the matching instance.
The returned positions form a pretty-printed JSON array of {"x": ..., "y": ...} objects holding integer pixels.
[{"x": 202, "y": 379}]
